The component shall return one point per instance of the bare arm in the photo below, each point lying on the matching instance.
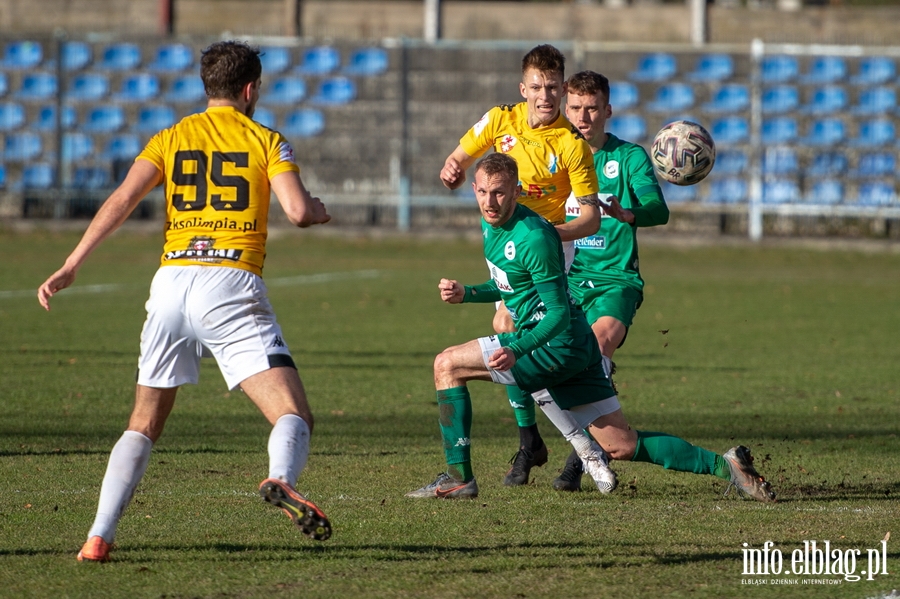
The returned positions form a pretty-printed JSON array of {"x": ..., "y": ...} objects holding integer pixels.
[
  {"x": 586, "y": 223},
  {"x": 301, "y": 208},
  {"x": 142, "y": 177},
  {"x": 454, "y": 172}
]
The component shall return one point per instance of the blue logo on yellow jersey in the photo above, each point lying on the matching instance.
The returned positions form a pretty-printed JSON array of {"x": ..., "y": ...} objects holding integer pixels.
[{"x": 553, "y": 166}]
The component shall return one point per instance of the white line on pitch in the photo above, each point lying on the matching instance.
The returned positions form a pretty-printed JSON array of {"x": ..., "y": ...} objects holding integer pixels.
[{"x": 322, "y": 277}]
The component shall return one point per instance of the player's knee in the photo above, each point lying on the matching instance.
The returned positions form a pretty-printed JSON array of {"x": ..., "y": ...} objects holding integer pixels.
[{"x": 443, "y": 364}]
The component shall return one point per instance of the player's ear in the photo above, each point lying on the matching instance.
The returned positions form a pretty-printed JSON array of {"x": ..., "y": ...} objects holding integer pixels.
[
  {"x": 565, "y": 88},
  {"x": 247, "y": 92},
  {"x": 522, "y": 89}
]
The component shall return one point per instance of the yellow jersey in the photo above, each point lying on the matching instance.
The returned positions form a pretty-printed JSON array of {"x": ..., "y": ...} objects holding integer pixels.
[
  {"x": 553, "y": 161},
  {"x": 217, "y": 166}
]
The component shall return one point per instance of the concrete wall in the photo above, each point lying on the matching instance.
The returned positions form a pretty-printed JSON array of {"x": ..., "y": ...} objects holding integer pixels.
[{"x": 369, "y": 20}]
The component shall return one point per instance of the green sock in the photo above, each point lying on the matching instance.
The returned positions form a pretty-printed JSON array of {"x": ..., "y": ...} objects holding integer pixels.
[
  {"x": 456, "y": 426},
  {"x": 522, "y": 405},
  {"x": 673, "y": 453}
]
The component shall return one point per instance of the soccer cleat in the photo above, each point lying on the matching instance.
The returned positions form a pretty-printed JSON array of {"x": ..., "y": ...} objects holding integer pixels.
[
  {"x": 447, "y": 487},
  {"x": 744, "y": 476},
  {"x": 570, "y": 477},
  {"x": 302, "y": 512},
  {"x": 95, "y": 550},
  {"x": 596, "y": 463},
  {"x": 522, "y": 463}
]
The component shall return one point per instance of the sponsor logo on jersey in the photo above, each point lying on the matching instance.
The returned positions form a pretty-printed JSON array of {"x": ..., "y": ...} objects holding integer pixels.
[
  {"x": 278, "y": 342},
  {"x": 611, "y": 169},
  {"x": 510, "y": 250},
  {"x": 221, "y": 224},
  {"x": 200, "y": 249},
  {"x": 512, "y": 314},
  {"x": 498, "y": 275},
  {"x": 538, "y": 316},
  {"x": 532, "y": 191},
  {"x": 507, "y": 143},
  {"x": 594, "y": 242},
  {"x": 553, "y": 165},
  {"x": 481, "y": 124},
  {"x": 285, "y": 152}
]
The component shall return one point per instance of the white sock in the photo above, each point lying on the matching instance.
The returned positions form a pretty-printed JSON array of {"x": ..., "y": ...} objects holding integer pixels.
[
  {"x": 127, "y": 464},
  {"x": 564, "y": 422},
  {"x": 288, "y": 448}
]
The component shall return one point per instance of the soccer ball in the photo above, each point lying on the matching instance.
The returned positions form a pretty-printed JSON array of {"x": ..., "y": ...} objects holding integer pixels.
[{"x": 683, "y": 153}]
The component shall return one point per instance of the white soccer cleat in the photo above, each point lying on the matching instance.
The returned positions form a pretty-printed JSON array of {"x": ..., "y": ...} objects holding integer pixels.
[{"x": 596, "y": 464}]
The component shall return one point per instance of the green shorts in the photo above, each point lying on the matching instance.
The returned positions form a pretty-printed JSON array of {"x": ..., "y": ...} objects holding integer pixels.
[
  {"x": 571, "y": 369},
  {"x": 620, "y": 302}
]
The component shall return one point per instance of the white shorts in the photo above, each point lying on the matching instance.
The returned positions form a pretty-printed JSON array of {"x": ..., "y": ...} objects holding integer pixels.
[
  {"x": 215, "y": 311},
  {"x": 489, "y": 345}
]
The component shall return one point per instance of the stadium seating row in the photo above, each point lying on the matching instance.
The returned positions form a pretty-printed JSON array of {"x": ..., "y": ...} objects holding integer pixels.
[
  {"x": 871, "y": 70},
  {"x": 832, "y": 191},
  {"x": 145, "y": 87},
  {"x": 173, "y": 58}
]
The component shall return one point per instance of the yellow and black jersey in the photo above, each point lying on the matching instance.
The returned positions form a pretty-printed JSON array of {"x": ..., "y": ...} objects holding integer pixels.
[
  {"x": 217, "y": 166},
  {"x": 553, "y": 161}
]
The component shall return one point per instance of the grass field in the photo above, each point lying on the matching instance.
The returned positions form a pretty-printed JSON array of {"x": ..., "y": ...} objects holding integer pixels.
[{"x": 792, "y": 352}]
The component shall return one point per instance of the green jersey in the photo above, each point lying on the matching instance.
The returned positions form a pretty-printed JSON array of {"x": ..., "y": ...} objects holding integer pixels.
[
  {"x": 611, "y": 255},
  {"x": 525, "y": 259}
]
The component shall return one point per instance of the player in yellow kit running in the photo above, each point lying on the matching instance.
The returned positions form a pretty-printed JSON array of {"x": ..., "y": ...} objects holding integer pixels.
[{"x": 218, "y": 169}]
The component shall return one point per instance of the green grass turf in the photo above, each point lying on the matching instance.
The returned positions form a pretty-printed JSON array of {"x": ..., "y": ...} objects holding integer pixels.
[{"x": 792, "y": 352}]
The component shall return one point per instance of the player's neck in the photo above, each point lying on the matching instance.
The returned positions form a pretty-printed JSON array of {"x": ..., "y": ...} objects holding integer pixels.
[
  {"x": 221, "y": 102},
  {"x": 536, "y": 123},
  {"x": 598, "y": 142}
]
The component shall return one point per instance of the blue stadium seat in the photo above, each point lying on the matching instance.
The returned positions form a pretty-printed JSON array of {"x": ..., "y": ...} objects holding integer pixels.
[
  {"x": 12, "y": 116},
  {"x": 874, "y": 133},
  {"x": 335, "y": 91},
  {"x": 77, "y": 146},
  {"x": 38, "y": 176},
  {"x": 779, "y": 130},
  {"x": 274, "y": 60},
  {"x": 22, "y": 146},
  {"x": 186, "y": 88},
  {"x": 139, "y": 87},
  {"x": 124, "y": 146},
  {"x": 824, "y": 132},
  {"x": 780, "y": 160},
  {"x": 732, "y": 97},
  {"x": 22, "y": 55},
  {"x": 120, "y": 57},
  {"x": 172, "y": 58},
  {"x": 874, "y": 70},
  {"x": 104, "y": 119},
  {"x": 76, "y": 55},
  {"x": 304, "y": 123},
  {"x": 88, "y": 87},
  {"x": 4, "y": 84},
  {"x": 875, "y": 164},
  {"x": 623, "y": 95},
  {"x": 46, "y": 120},
  {"x": 877, "y": 193},
  {"x": 284, "y": 90},
  {"x": 154, "y": 118},
  {"x": 318, "y": 60},
  {"x": 876, "y": 100},
  {"x": 264, "y": 117},
  {"x": 660, "y": 66},
  {"x": 826, "y": 191},
  {"x": 780, "y": 191},
  {"x": 37, "y": 86},
  {"x": 829, "y": 164},
  {"x": 91, "y": 177},
  {"x": 2, "y": 176},
  {"x": 730, "y": 130},
  {"x": 731, "y": 162},
  {"x": 630, "y": 127},
  {"x": 727, "y": 190},
  {"x": 780, "y": 99},
  {"x": 672, "y": 97},
  {"x": 779, "y": 69},
  {"x": 367, "y": 62},
  {"x": 825, "y": 69},
  {"x": 826, "y": 100},
  {"x": 678, "y": 194},
  {"x": 712, "y": 67}
]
